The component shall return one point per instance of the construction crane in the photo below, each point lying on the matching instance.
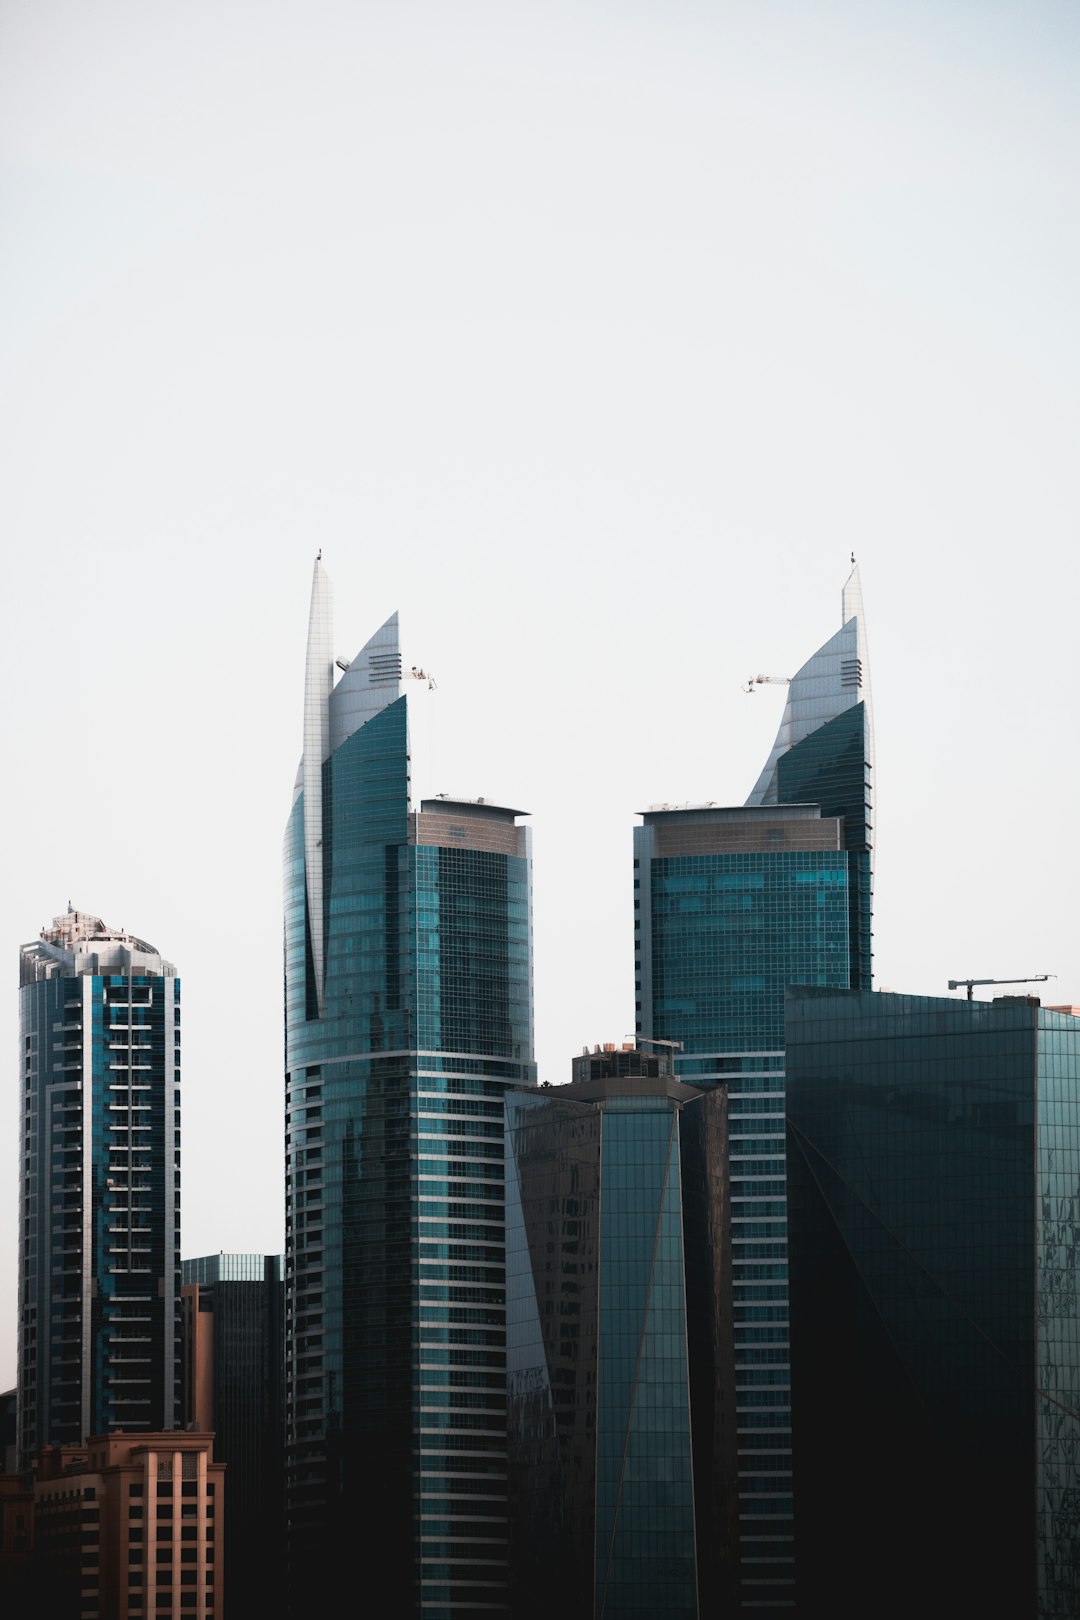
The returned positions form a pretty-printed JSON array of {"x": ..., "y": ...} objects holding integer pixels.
[
  {"x": 413, "y": 674},
  {"x": 1032, "y": 978},
  {"x": 767, "y": 680},
  {"x": 647, "y": 1040}
]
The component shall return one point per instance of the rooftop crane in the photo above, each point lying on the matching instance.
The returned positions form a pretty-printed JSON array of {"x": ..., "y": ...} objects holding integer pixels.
[
  {"x": 413, "y": 674},
  {"x": 1032, "y": 978},
  {"x": 767, "y": 680}
]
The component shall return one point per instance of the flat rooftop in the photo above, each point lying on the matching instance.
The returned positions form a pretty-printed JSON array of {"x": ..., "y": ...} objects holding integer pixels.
[{"x": 485, "y": 809}]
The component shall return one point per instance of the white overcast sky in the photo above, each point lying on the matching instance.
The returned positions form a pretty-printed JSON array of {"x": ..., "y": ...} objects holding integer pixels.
[{"x": 594, "y": 338}]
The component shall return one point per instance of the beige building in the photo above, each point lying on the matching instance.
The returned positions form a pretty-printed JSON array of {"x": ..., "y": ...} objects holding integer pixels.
[{"x": 130, "y": 1527}]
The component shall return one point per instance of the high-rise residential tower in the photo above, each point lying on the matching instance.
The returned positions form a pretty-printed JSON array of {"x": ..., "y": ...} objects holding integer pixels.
[
  {"x": 408, "y": 992},
  {"x": 731, "y": 906},
  {"x": 99, "y": 1191}
]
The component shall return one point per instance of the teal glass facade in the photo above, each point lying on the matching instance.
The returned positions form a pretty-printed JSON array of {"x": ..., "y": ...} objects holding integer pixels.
[
  {"x": 612, "y": 1279},
  {"x": 99, "y": 1250},
  {"x": 729, "y": 931},
  {"x": 731, "y": 906},
  {"x": 824, "y": 755},
  {"x": 934, "y": 1196},
  {"x": 644, "y": 1559},
  {"x": 398, "y": 1054},
  {"x": 832, "y": 768}
]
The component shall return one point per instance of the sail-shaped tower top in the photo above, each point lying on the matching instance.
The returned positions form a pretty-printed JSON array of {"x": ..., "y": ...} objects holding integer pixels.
[
  {"x": 835, "y": 679},
  {"x": 824, "y": 754},
  {"x": 332, "y": 713}
]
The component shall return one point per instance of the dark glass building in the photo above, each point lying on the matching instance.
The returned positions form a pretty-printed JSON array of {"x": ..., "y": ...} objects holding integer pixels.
[
  {"x": 731, "y": 906},
  {"x": 99, "y": 1189},
  {"x": 621, "y": 1398},
  {"x": 234, "y": 1388},
  {"x": 408, "y": 1000},
  {"x": 934, "y": 1204}
]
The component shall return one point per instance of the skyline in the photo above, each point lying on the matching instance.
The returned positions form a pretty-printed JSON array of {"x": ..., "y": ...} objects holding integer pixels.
[{"x": 626, "y": 334}]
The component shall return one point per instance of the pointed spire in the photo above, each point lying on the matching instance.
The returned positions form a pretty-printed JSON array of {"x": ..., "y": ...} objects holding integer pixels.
[
  {"x": 851, "y": 604},
  {"x": 318, "y": 684}
]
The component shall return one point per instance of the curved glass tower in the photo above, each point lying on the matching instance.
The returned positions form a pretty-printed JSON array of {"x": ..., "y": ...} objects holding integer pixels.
[
  {"x": 732, "y": 905},
  {"x": 824, "y": 755},
  {"x": 408, "y": 1006}
]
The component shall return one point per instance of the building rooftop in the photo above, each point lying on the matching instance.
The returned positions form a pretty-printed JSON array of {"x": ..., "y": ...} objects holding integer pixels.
[
  {"x": 735, "y": 812},
  {"x": 443, "y": 805},
  {"x": 80, "y": 943},
  {"x": 75, "y": 927}
]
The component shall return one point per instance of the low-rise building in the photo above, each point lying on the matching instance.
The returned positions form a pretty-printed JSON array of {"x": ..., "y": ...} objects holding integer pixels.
[{"x": 130, "y": 1526}]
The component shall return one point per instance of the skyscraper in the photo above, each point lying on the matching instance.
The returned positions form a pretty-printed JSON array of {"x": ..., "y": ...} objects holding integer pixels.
[
  {"x": 824, "y": 755},
  {"x": 934, "y": 1197},
  {"x": 234, "y": 1388},
  {"x": 99, "y": 1167},
  {"x": 620, "y": 1387},
  {"x": 731, "y": 906},
  {"x": 408, "y": 991}
]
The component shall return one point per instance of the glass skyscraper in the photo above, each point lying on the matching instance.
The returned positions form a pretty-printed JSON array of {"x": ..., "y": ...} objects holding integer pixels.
[
  {"x": 824, "y": 755},
  {"x": 934, "y": 1198},
  {"x": 619, "y": 1367},
  {"x": 234, "y": 1388},
  {"x": 99, "y": 1186},
  {"x": 408, "y": 1004},
  {"x": 731, "y": 906}
]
